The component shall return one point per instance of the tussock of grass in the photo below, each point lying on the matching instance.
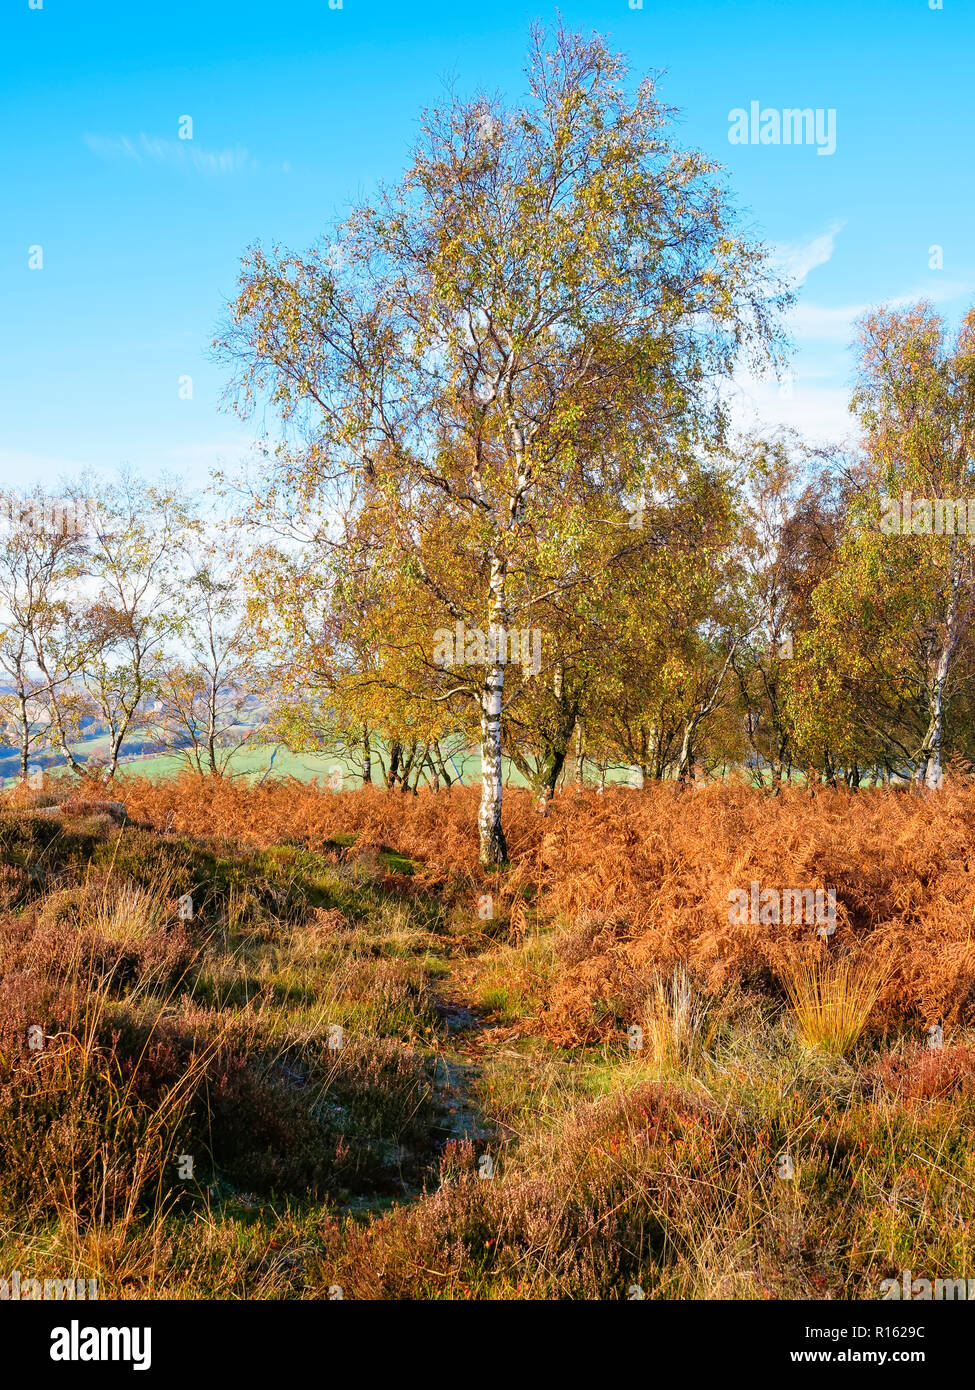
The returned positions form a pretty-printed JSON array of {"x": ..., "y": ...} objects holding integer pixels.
[
  {"x": 126, "y": 912},
  {"x": 832, "y": 998},
  {"x": 677, "y": 1024}
]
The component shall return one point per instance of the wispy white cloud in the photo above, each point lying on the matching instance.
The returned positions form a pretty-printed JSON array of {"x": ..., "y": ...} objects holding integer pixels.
[
  {"x": 814, "y": 322},
  {"x": 937, "y": 289},
  {"x": 174, "y": 154},
  {"x": 193, "y": 462},
  {"x": 813, "y": 396},
  {"x": 797, "y": 258},
  {"x": 804, "y": 401}
]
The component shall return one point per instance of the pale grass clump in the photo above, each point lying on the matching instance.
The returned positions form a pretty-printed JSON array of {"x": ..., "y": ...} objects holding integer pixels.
[
  {"x": 715, "y": 1247},
  {"x": 832, "y": 999},
  {"x": 677, "y": 1023},
  {"x": 126, "y": 912}
]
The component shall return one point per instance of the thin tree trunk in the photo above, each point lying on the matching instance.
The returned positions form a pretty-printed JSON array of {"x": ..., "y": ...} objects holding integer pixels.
[
  {"x": 392, "y": 776},
  {"x": 929, "y": 771},
  {"x": 493, "y": 849},
  {"x": 421, "y": 763},
  {"x": 700, "y": 714},
  {"x": 24, "y": 734},
  {"x": 437, "y": 758},
  {"x": 686, "y": 750},
  {"x": 212, "y": 727}
]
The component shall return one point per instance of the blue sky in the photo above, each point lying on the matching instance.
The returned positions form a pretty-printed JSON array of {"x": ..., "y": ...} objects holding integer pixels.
[{"x": 297, "y": 109}]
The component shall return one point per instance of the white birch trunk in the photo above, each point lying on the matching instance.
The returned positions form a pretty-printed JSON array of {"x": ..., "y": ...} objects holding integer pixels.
[
  {"x": 929, "y": 770},
  {"x": 493, "y": 849},
  {"x": 580, "y": 754}
]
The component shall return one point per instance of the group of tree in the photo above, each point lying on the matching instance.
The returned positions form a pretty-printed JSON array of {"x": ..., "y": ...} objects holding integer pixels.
[
  {"x": 501, "y": 504},
  {"x": 123, "y": 619}
]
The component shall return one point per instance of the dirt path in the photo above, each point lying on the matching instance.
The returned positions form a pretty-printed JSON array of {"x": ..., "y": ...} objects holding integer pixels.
[
  {"x": 460, "y": 1063},
  {"x": 456, "y": 1073}
]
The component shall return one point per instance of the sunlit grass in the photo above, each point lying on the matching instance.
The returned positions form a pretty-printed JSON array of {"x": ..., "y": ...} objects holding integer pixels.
[{"x": 832, "y": 999}]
